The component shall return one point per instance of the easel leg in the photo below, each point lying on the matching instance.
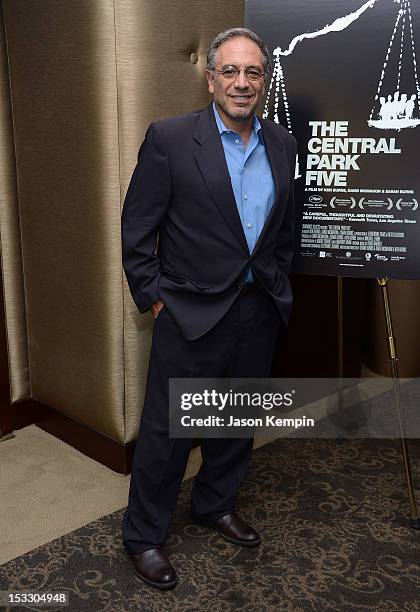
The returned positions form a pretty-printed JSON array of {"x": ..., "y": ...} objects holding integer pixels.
[{"x": 414, "y": 518}]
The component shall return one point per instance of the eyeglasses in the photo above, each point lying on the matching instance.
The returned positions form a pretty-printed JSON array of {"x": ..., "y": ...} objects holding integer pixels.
[{"x": 232, "y": 72}]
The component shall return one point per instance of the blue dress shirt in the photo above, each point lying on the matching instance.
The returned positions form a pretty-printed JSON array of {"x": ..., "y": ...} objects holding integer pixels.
[{"x": 251, "y": 178}]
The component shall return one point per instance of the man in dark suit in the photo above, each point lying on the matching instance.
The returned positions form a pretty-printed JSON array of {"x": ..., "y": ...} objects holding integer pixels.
[{"x": 207, "y": 232}]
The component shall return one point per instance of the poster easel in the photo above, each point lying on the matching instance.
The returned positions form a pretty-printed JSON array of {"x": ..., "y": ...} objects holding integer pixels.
[{"x": 393, "y": 359}]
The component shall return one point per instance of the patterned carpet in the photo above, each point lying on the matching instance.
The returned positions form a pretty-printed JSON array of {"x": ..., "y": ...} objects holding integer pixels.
[{"x": 332, "y": 516}]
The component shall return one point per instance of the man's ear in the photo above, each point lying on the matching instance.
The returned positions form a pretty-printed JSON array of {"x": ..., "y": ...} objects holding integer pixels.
[{"x": 210, "y": 81}]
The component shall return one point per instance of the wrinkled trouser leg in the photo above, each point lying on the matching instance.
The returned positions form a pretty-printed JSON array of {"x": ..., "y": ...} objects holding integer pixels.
[{"x": 240, "y": 345}]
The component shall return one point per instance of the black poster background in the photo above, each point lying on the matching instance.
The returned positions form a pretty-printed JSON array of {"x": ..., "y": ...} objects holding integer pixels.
[{"x": 335, "y": 77}]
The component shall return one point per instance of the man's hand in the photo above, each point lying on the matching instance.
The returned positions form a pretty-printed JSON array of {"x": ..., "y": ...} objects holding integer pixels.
[{"x": 156, "y": 308}]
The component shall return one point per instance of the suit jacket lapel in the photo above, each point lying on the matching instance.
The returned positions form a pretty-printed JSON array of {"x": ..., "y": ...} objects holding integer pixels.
[{"x": 211, "y": 161}]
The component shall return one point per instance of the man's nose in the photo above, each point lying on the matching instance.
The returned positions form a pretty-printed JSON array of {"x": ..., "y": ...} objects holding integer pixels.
[{"x": 241, "y": 80}]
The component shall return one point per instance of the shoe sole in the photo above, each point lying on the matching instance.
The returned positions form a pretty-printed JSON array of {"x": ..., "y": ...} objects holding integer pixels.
[
  {"x": 158, "y": 585},
  {"x": 245, "y": 543}
]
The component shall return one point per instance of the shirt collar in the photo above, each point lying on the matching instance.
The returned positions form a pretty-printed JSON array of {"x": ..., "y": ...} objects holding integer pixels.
[{"x": 256, "y": 125}]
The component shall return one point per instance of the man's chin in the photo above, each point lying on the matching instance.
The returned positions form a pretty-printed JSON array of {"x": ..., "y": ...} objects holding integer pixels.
[{"x": 241, "y": 115}]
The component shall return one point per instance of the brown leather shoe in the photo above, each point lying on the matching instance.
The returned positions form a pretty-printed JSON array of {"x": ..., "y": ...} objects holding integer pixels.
[
  {"x": 232, "y": 528},
  {"x": 154, "y": 568}
]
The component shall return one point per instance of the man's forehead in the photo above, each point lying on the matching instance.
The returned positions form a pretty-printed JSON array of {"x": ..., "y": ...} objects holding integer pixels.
[{"x": 239, "y": 50}]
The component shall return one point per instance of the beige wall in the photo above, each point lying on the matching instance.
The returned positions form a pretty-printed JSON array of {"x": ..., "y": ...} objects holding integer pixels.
[{"x": 87, "y": 78}]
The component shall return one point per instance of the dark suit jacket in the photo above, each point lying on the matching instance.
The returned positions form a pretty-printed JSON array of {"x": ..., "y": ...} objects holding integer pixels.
[{"x": 181, "y": 192}]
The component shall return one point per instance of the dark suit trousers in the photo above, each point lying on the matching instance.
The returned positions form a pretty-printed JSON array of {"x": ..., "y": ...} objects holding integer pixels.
[{"x": 241, "y": 345}]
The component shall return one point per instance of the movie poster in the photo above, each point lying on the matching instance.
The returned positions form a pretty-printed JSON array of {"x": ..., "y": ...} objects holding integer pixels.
[{"x": 345, "y": 82}]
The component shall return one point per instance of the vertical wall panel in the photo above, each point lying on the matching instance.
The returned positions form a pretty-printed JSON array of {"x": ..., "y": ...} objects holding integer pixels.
[
  {"x": 63, "y": 79},
  {"x": 11, "y": 254},
  {"x": 87, "y": 78}
]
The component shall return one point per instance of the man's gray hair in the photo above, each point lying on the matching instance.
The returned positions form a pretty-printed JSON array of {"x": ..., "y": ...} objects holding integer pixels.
[{"x": 235, "y": 33}]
